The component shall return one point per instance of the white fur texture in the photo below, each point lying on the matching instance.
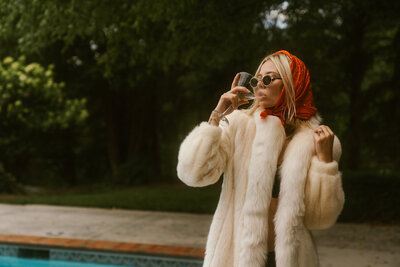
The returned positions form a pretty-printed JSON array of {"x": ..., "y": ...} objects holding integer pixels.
[
  {"x": 325, "y": 198},
  {"x": 263, "y": 165},
  {"x": 247, "y": 151},
  {"x": 290, "y": 213},
  {"x": 208, "y": 154}
]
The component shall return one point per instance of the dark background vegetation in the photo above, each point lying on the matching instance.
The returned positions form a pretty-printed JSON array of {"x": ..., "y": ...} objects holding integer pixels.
[{"x": 148, "y": 71}]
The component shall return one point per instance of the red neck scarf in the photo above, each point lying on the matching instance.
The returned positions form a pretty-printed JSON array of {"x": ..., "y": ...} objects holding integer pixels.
[{"x": 304, "y": 99}]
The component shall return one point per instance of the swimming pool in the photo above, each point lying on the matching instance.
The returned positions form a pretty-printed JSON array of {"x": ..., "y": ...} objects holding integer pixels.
[
  {"x": 39, "y": 256},
  {"x": 9, "y": 261}
]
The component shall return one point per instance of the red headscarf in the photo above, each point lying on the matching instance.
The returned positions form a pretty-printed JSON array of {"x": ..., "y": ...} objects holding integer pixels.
[{"x": 302, "y": 86}]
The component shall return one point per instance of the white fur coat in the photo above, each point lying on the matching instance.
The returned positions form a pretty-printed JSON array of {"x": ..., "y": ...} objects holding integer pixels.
[{"x": 247, "y": 151}]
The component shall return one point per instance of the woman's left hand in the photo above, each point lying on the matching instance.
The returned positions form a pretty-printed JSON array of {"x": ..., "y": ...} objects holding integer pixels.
[{"x": 323, "y": 140}]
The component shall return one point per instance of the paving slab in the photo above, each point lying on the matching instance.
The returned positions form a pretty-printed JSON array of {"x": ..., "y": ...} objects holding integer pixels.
[
  {"x": 164, "y": 228},
  {"x": 347, "y": 245},
  {"x": 343, "y": 245}
]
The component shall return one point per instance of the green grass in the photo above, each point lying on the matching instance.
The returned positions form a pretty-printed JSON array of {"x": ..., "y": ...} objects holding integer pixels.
[{"x": 157, "y": 198}]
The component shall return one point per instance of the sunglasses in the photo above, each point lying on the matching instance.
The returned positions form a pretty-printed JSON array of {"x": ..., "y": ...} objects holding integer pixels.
[{"x": 266, "y": 80}]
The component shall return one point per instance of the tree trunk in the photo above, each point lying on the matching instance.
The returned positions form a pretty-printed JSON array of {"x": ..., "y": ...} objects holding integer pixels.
[
  {"x": 356, "y": 67},
  {"x": 68, "y": 158},
  {"x": 152, "y": 125},
  {"x": 112, "y": 132},
  {"x": 394, "y": 109},
  {"x": 143, "y": 139}
]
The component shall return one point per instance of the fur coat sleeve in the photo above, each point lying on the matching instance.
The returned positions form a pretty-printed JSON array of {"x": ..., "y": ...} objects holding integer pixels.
[
  {"x": 324, "y": 196},
  {"x": 203, "y": 155}
]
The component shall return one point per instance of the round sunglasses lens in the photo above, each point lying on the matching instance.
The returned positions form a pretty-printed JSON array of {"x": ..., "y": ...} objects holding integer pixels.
[
  {"x": 267, "y": 80},
  {"x": 253, "y": 82}
]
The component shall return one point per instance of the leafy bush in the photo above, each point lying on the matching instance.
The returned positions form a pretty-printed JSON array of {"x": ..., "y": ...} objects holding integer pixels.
[
  {"x": 33, "y": 109},
  {"x": 32, "y": 100},
  {"x": 8, "y": 183}
]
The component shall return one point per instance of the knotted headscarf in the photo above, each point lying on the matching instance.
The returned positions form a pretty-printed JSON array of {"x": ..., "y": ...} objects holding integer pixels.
[{"x": 303, "y": 95}]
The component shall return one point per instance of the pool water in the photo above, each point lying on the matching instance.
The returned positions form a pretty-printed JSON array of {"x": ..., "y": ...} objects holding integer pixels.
[
  {"x": 8, "y": 261},
  {"x": 37, "y": 256}
]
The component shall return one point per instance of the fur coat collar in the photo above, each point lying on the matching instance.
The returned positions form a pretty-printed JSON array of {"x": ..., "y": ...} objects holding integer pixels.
[{"x": 266, "y": 148}]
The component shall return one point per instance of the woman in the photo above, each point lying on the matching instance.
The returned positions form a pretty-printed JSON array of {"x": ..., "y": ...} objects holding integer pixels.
[{"x": 280, "y": 167}]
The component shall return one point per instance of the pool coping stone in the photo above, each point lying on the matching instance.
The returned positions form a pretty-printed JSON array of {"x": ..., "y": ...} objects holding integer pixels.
[{"x": 106, "y": 246}]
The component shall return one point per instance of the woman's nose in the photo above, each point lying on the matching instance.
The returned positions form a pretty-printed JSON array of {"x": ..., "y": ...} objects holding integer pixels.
[{"x": 260, "y": 83}]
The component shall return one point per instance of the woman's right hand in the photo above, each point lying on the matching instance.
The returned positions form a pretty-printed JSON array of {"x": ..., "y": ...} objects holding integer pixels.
[{"x": 232, "y": 98}]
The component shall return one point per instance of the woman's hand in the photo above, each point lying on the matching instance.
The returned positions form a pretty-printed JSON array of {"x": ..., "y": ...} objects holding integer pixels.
[
  {"x": 323, "y": 140},
  {"x": 232, "y": 98}
]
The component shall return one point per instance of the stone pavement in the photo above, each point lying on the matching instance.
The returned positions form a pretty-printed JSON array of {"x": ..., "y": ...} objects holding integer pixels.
[
  {"x": 359, "y": 245},
  {"x": 342, "y": 245}
]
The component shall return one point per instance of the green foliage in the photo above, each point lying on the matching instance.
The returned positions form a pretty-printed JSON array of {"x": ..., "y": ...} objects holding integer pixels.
[
  {"x": 8, "y": 183},
  {"x": 149, "y": 56},
  {"x": 32, "y": 107},
  {"x": 32, "y": 100},
  {"x": 151, "y": 70},
  {"x": 352, "y": 52},
  {"x": 136, "y": 172}
]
